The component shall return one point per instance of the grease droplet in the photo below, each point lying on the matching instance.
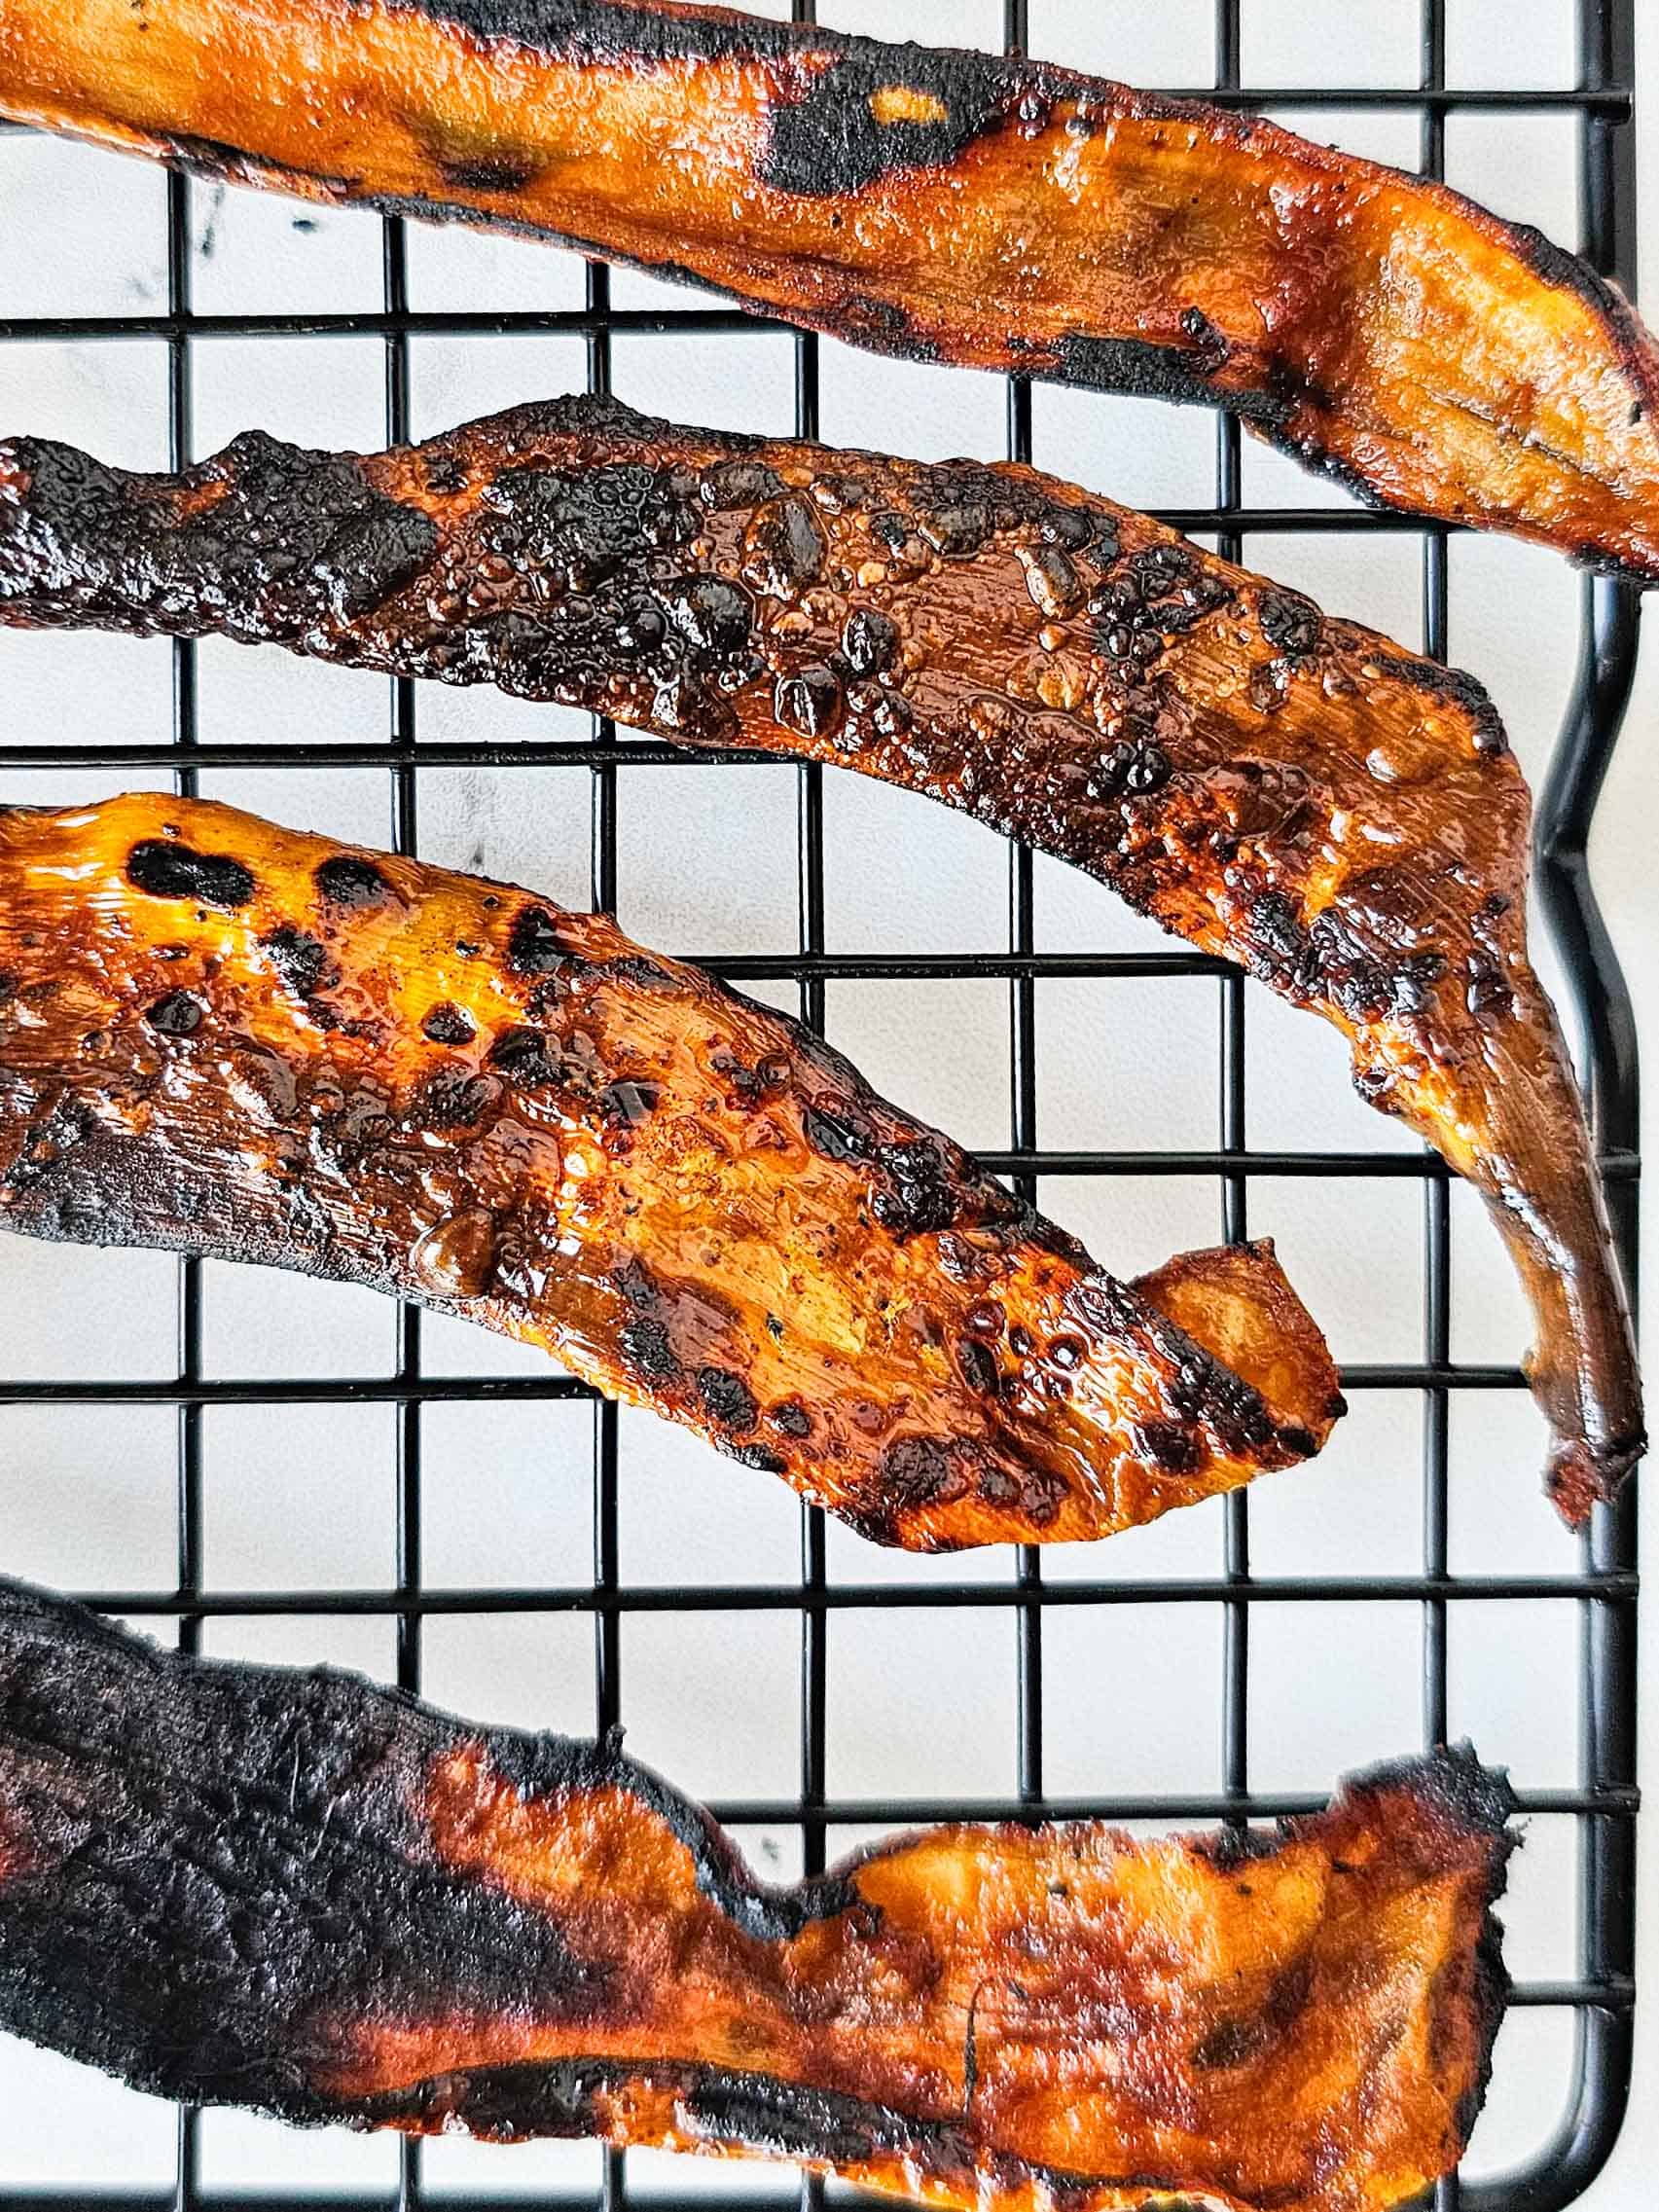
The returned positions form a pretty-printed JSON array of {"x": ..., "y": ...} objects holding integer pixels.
[{"x": 457, "y": 1259}]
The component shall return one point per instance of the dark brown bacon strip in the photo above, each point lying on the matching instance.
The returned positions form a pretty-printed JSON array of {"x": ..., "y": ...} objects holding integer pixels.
[
  {"x": 223, "y": 1037},
  {"x": 947, "y": 205},
  {"x": 1291, "y": 792},
  {"x": 236, "y": 1884}
]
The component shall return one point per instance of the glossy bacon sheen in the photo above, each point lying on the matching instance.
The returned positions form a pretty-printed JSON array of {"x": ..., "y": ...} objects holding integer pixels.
[
  {"x": 228, "y": 1038},
  {"x": 238, "y": 1884},
  {"x": 1291, "y": 792},
  {"x": 944, "y": 205}
]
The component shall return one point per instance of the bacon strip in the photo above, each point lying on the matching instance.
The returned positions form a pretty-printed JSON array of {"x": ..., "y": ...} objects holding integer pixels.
[
  {"x": 223, "y": 1037},
  {"x": 947, "y": 205},
  {"x": 1291, "y": 792},
  {"x": 296, "y": 1891}
]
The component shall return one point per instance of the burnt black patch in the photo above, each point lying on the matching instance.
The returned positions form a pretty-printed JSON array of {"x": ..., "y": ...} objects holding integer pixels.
[
  {"x": 1230, "y": 2042},
  {"x": 927, "y": 1470},
  {"x": 1073, "y": 528},
  {"x": 882, "y": 325},
  {"x": 534, "y": 1060},
  {"x": 489, "y": 172},
  {"x": 1450, "y": 1780},
  {"x": 166, "y": 869},
  {"x": 746, "y": 2110},
  {"x": 785, "y": 549},
  {"x": 456, "y": 1098},
  {"x": 869, "y": 643},
  {"x": 300, "y": 961},
  {"x": 579, "y": 532},
  {"x": 525, "y": 1058},
  {"x": 1181, "y": 375},
  {"x": 259, "y": 1862},
  {"x": 733, "y": 485},
  {"x": 838, "y": 1134},
  {"x": 1466, "y": 692},
  {"x": 746, "y": 1085},
  {"x": 631, "y": 1101},
  {"x": 535, "y": 947},
  {"x": 634, "y": 1280},
  {"x": 178, "y": 1014},
  {"x": 759, "y": 1456},
  {"x": 612, "y": 31},
  {"x": 215, "y": 158},
  {"x": 1288, "y": 1999},
  {"x": 787, "y": 2121},
  {"x": 1210, "y": 348},
  {"x": 875, "y": 110},
  {"x": 889, "y": 527},
  {"x": 977, "y": 1365},
  {"x": 958, "y": 528},
  {"x": 646, "y": 1344},
  {"x": 1170, "y": 1446},
  {"x": 1292, "y": 625},
  {"x": 1274, "y": 928},
  {"x": 791, "y": 1419},
  {"x": 727, "y": 1397},
  {"x": 1572, "y": 273},
  {"x": 1486, "y": 991},
  {"x": 642, "y": 972},
  {"x": 811, "y": 704},
  {"x": 714, "y": 616},
  {"x": 916, "y": 1191},
  {"x": 271, "y": 543},
  {"x": 448, "y": 1025},
  {"x": 1053, "y": 581},
  {"x": 1162, "y": 568},
  {"x": 444, "y": 472},
  {"x": 1231, "y": 1848},
  {"x": 346, "y": 879}
]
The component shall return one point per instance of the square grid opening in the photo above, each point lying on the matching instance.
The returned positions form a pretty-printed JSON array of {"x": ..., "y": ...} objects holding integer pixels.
[{"x": 480, "y": 1527}]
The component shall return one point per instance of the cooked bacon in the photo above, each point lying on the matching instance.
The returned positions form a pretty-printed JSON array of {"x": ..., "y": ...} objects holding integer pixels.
[
  {"x": 242, "y": 1885},
  {"x": 951, "y": 207},
  {"x": 222, "y": 1037},
  {"x": 1291, "y": 792}
]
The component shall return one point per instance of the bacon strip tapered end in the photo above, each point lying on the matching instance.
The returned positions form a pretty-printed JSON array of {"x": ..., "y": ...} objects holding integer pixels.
[
  {"x": 225, "y": 1037},
  {"x": 235, "y": 1884},
  {"x": 941, "y": 204},
  {"x": 1342, "y": 817}
]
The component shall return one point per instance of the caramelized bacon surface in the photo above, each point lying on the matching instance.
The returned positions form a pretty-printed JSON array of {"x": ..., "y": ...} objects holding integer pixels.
[
  {"x": 947, "y": 205},
  {"x": 238, "y": 1884},
  {"x": 224, "y": 1037},
  {"x": 1286, "y": 791}
]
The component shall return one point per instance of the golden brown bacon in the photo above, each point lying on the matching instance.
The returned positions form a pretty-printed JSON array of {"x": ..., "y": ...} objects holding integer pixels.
[
  {"x": 233, "y": 1884},
  {"x": 1292, "y": 792},
  {"x": 224, "y": 1037},
  {"x": 947, "y": 205}
]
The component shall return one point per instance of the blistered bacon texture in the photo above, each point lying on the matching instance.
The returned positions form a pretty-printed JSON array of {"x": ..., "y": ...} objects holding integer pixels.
[
  {"x": 223, "y": 1037},
  {"x": 1295, "y": 793},
  {"x": 951, "y": 207},
  {"x": 238, "y": 1884}
]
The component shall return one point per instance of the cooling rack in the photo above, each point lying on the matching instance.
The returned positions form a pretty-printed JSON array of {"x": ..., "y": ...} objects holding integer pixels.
[{"x": 1600, "y": 1585}]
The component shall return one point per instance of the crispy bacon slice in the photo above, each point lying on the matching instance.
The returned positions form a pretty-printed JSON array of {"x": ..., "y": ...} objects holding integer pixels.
[
  {"x": 1291, "y": 792},
  {"x": 223, "y": 1037},
  {"x": 947, "y": 205},
  {"x": 243, "y": 1885}
]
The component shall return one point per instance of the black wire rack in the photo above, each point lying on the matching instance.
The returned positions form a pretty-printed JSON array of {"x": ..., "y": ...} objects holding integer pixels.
[{"x": 1600, "y": 1994}]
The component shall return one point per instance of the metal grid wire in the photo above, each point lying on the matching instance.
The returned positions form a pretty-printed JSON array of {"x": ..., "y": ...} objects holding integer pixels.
[{"x": 1604, "y": 1585}]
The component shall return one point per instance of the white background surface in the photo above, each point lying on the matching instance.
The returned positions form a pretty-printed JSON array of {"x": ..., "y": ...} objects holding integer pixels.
[{"x": 918, "y": 1702}]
